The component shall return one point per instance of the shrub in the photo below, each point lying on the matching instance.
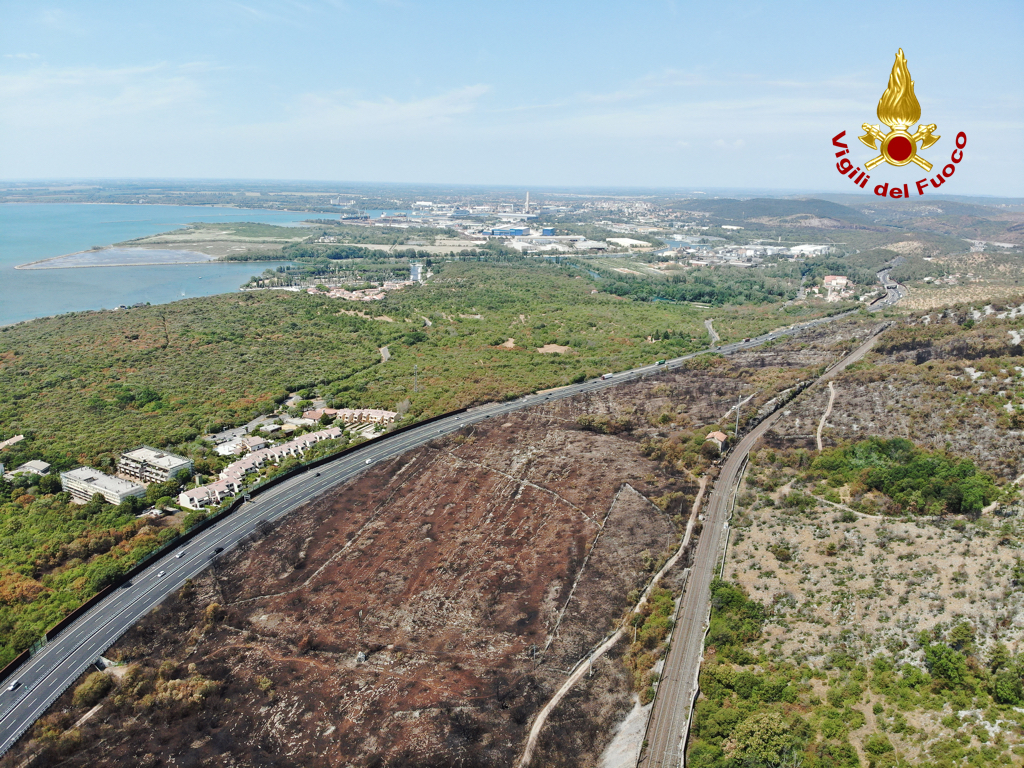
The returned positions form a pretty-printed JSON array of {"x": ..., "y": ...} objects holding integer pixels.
[
  {"x": 91, "y": 692},
  {"x": 877, "y": 744}
]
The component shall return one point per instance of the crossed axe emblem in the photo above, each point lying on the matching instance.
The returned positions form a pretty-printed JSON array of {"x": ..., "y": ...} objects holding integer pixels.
[{"x": 898, "y": 147}]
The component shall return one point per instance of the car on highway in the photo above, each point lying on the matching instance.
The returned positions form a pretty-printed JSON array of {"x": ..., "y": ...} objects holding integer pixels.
[
  {"x": 368, "y": 461},
  {"x": 317, "y": 475},
  {"x": 180, "y": 554},
  {"x": 14, "y": 686},
  {"x": 161, "y": 574},
  {"x": 218, "y": 550},
  {"x": 660, "y": 362},
  {"x": 607, "y": 375}
]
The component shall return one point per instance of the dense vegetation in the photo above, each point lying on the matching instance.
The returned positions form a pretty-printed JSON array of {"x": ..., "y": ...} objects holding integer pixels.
[
  {"x": 652, "y": 625},
  {"x": 916, "y": 480},
  {"x": 708, "y": 286},
  {"x": 84, "y": 387},
  {"x": 755, "y": 711},
  {"x": 56, "y": 553}
]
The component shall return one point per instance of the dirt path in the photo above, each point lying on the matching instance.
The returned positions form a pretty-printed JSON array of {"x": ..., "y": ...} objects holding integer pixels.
[
  {"x": 669, "y": 725},
  {"x": 607, "y": 645},
  {"x": 848, "y": 509},
  {"x": 715, "y": 338},
  {"x": 827, "y": 413}
]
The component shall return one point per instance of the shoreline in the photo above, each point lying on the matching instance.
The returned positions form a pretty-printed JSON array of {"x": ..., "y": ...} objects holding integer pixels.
[
  {"x": 34, "y": 264},
  {"x": 30, "y": 265}
]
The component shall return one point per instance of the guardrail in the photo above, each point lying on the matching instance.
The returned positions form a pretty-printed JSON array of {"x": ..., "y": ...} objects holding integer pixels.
[{"x": 185, "y": 536}]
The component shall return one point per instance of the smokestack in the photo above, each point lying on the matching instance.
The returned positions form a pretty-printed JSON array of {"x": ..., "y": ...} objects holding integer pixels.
[{"x": 527, "y": 202}]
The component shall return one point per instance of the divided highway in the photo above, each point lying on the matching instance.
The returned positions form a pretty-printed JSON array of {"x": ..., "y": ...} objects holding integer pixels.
[{"x": 55, "y": 666}]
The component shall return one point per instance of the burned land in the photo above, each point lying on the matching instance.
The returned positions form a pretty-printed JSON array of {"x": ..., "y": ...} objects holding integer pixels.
[{"x": 424, "y": 612}]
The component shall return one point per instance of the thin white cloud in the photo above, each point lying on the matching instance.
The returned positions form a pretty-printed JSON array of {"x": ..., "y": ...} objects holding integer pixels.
[
  {"x": 265, "y": 16},
  {"x": 24, "y": 56},
  {"x": 49, "y": 99},
  {"x": 342, "y": 114}
]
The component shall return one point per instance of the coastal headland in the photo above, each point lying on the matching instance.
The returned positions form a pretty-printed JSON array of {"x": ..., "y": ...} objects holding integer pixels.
[{"x": 197, "y": 243}]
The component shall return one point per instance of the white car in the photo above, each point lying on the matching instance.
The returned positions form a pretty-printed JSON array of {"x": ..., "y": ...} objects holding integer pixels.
[
  {"x": 369, "y": 460},
  {"x": 160, "y": 575},
  {"x": 180, "y": 554}
]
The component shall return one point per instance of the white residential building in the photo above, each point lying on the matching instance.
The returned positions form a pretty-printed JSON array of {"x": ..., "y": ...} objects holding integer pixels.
[
  {"x": 148, "y": 465},
  {"x": 350, "y": 415},
  {"x": 83, "y": 483},
  {"x": 233, "y": 476}
]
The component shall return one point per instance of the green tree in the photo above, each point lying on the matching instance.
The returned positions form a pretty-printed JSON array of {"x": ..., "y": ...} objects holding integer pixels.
[
  {"x": 999, "y": 657},
  {"x": 1006, "y": 688},
  {"x": 764, "y": 736},
  {"x": 50, "y": 484},
  {"x": 946, "y": 664},
  {"x": 961, "y": 637}
]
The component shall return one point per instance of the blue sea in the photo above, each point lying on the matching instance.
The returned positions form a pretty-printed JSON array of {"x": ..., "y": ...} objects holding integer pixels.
[{"x": 30, "y": 232}]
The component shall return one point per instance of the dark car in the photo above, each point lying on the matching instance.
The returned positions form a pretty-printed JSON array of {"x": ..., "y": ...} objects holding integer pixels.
[{"x": 218, "y": 550}]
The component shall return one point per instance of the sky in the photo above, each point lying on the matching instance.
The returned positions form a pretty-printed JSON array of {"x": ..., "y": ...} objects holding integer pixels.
[{"x": 656, "y": 93}]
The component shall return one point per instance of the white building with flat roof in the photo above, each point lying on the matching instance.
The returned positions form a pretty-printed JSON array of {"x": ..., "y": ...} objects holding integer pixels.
[
  {"x": 148, "y": 465},
  {"x": 34, "y": 467},
  {"x": 83, "y": 483}
]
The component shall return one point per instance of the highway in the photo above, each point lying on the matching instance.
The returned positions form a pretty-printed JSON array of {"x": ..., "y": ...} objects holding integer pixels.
[
  {"x": 55, "y": 666},
  {"x": 677, "y": 689}
]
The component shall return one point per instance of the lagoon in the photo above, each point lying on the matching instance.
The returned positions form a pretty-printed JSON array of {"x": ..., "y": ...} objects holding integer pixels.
[{"x": 32, "y": 232}]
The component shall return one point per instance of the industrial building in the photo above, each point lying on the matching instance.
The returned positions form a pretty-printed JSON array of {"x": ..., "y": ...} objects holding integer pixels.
[
  {"x": 83, "y": 483},
  {"x": 148, "y": 465}
]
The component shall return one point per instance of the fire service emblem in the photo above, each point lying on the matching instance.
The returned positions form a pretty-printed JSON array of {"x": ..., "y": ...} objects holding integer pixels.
[{"x": 898, "y": 109}]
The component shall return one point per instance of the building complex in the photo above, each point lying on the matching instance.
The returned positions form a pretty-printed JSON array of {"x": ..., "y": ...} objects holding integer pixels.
[
  {"x": 148, "y": 465},
  {"x": 233, "y": 476},
  {"x": 85, "y": 482}
]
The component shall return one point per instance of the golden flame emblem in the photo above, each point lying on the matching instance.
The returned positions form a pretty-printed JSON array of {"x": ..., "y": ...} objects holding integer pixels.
[{"x": 899, "y": 109}]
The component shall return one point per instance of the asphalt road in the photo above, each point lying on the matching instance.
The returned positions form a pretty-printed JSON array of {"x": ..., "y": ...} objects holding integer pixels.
[
  {"x": 677, "y": 688},
  {"x": 54, "y": 667}
]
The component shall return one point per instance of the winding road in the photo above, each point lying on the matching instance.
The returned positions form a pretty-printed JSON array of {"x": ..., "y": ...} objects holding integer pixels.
[{"x": 826, "y": 414}]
